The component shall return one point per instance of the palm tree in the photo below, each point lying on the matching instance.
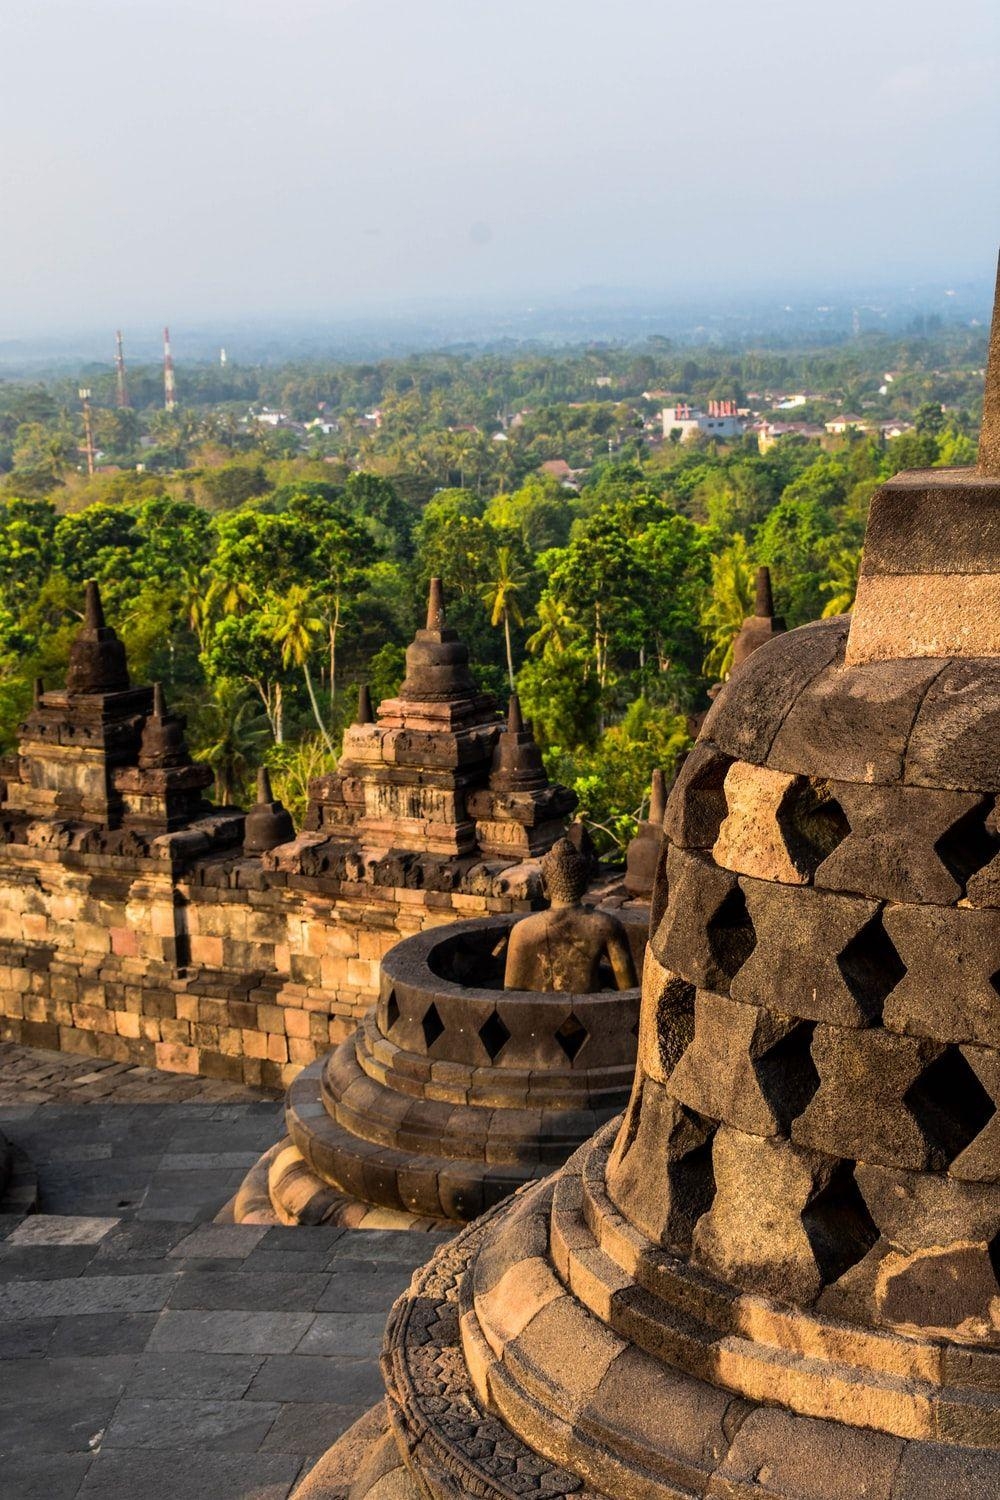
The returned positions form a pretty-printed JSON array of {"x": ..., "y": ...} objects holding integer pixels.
[
  {"x": 842, "y": 583},
  {"x": 729, "y": 604},
  {"x": 237, "y": 735},
  {"x": 555, "y": 628},
  {"x": 195, "y": 605},
  {"x": 500, "y": 598},
  {"x": 228, "y": 596},
  {"x": 294, "y": 627}
]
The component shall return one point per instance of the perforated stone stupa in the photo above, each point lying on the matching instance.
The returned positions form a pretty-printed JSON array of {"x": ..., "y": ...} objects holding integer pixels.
[
  {"x": 778, "y": 1276},
  {"x": 497, "y": 1046}
]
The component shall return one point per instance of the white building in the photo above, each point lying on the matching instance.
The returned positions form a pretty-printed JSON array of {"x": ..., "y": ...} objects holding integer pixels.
[{"x": 722, "y": 420}]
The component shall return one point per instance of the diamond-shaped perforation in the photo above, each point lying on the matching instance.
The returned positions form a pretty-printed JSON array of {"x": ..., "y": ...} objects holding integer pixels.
[
  {"x": 812, "y": 823},
  {"x": 787, "y": 1075},
  {"x": 494, "y": 1035},
  {"x": 731, "y": 935},
  {"x": 870, "y": 966},
  {"x": 838, "y": 1225},
  {"x": 968, "y": 846},
  {"x": 571, "y": 1036},
  {"x": 950, "y": 1105},
  {"x": 391, "y": 1011},
  {"x": 432, "y": 1026}
]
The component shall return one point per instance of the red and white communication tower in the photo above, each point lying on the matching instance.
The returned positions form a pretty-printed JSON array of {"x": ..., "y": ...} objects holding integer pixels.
[
  {"x": 120, "y": 387},
  {"x": 169, "y": 387}
]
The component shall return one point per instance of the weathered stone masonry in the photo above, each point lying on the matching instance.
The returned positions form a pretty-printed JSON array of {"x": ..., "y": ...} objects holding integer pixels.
[{"x": 135, "y": 926}]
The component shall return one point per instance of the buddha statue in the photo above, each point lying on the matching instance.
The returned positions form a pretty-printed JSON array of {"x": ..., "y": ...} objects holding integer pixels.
[{"x": 568, "y": 946}]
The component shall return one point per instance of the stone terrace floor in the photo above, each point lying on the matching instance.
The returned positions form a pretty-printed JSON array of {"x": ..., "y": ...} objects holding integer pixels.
[{"x": 144, "y": 1350}]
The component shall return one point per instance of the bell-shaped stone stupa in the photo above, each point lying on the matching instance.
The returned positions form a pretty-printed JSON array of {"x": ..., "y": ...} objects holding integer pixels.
[{"x": 778, "y": 1277}]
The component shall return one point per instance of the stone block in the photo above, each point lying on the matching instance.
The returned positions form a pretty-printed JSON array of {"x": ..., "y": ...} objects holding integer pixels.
[
  {"x": 777, "y": 827},
  {"x": 905, "y": 843},
  {"x": 172, "y": 1057},
  {"x": 952, "y": 743},
  {"x": 952, "y": 958},
  {"x": 820, "y": 956},
  {"x": 897, "y": 1101},
  {"x": 661, "y": 1141},
  {"x": 783, "y": 1222},
  {"x": 776, "y": 1452},
  {"x": 748, "y": 713},
  {"x": 853, "y": 724},
  {"x": 918, "y": 1210},
  {"x": 705, "y": 935},
  {"x": 745, "y": 1066},
  {"x": 697, "y": 802}
]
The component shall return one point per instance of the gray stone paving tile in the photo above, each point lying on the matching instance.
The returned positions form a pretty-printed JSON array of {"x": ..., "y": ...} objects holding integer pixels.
[
  {"x": 356, "y": 1335},
  {"x": 183, "y": 1375},
  {"x": 399, "y": 1245},
  {"x": 363, "y": 1288},
  {"x": 311, "y": 1377},
  {"x": 310, "y": 1239},
  {"x": 243, "y": 1289},
  {"x": 273, "y": 1262},
  {"x": 231, "y": 1332},
  {"x": 190, "y": 1475},
  {"x": 228, "y": 1426},
  {"x": 41, "y": 1229},
  {"x": 192, "y": 1161},
  {"x": 83, "y": 1294},
  {"x": 42, "y": 1476},
  {"x": 101, "y": 1333},
  {"x": 310, "y": 1427},
  {"x": 51, "y": 1263},
  {"x": 136, "y": 1241},
  {"x": 41, "y": 1381},
  {"x": 24, "y": 1339},
  {"x": 225, "y": 1240},
  {"x": 8, "y": 1223}
]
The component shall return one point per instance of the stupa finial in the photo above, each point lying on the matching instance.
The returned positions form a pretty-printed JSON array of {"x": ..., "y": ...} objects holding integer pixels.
[
  {"x": 764, "y": 597},
  {"x": 264, "y": 793},
  {"x": 989, "y": 436},
  {"x": 365, "y": 714},
  {"x": 515, "y": 723},
  {"x": 93, "y": 609},
  {"x": 657, "y": 797},
  {"x": 159, "y": 701},
  {"x": 435, "y": 605}
]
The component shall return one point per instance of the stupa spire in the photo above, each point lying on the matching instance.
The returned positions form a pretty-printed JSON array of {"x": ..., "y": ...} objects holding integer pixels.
[
  {"x": 365, "y": 715},
  {"x": 515, "y": 722},
  {"x": 264, "y": 793},
  {"x": 657, "y": 797},
  {"x": 989, "y": 436},
  {"x": 93, "y": 609},
  {"x": 435, "y": 605},
  {"x": 763, "y": 596}
]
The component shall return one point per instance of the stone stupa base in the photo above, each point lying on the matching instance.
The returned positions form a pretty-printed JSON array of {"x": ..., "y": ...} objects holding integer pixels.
[
  {"x": 452, "y": 1094},
  {"x": 550, "y": 1350}
]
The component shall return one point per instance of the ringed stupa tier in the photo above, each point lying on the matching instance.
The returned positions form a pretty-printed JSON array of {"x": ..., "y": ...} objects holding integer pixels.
[{"x": 777, "y": 1276}]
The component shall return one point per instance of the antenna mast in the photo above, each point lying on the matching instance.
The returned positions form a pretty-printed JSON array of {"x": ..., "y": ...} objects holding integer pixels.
[
  {"x": 120, "y": 386},
  {"x": 88, "y": 430},
  {"x": 169, "y": 387}
]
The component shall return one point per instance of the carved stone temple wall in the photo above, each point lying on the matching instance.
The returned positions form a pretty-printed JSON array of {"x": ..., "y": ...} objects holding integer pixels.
[
  {"x": 141, "y": 924},
  {"x": 778, "y": 1276}
]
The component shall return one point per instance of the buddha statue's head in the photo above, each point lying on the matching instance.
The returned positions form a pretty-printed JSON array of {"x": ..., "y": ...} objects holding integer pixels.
[{"x": 565, "y": 872}]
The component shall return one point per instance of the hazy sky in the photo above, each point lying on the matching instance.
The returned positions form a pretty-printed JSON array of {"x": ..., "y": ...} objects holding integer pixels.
[{"x": 178, "y": 159}]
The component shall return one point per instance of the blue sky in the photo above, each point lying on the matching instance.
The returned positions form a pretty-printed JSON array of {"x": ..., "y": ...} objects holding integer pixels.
[{"x": 172, "y": 159}]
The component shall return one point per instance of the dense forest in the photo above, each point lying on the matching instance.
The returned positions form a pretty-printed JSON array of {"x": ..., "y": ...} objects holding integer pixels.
[{"x": 261, "y": 568}]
